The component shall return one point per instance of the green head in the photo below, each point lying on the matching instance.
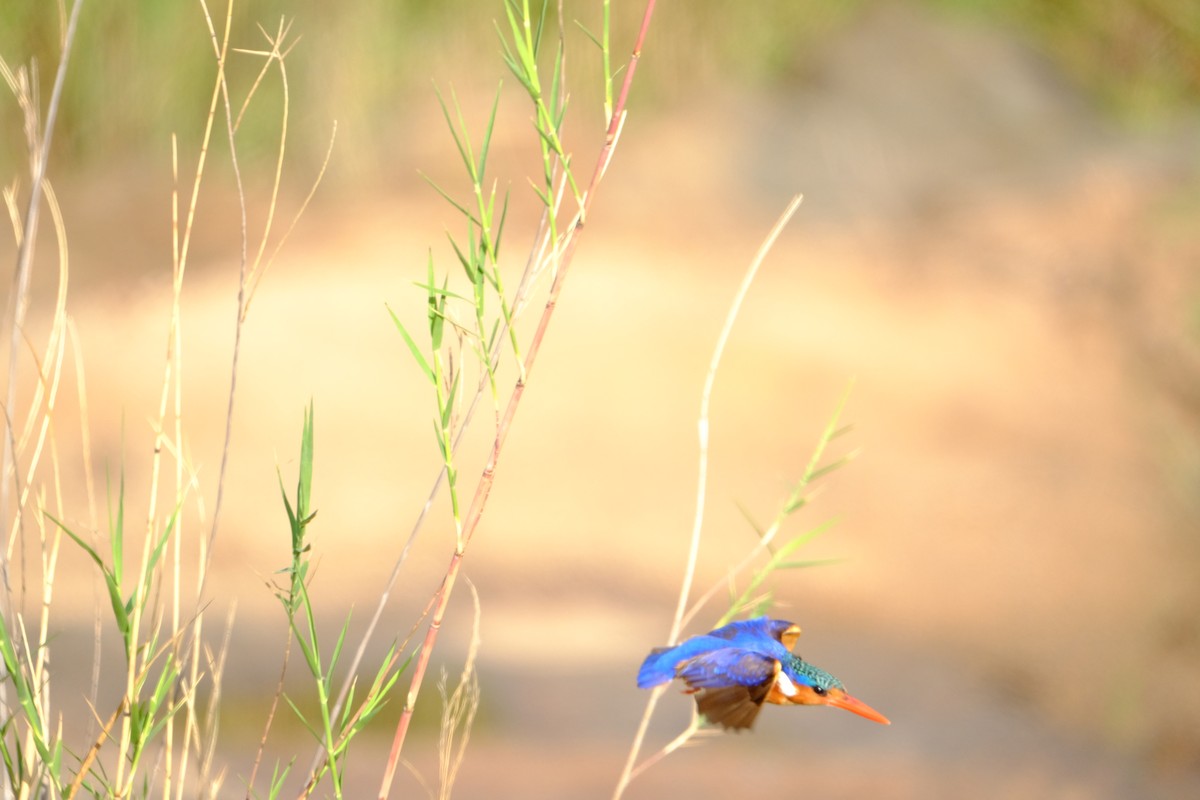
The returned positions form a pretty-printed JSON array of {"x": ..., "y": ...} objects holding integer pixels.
[
  {"x": 803, "y": 672},
  {"x": 801, "y": 683}
]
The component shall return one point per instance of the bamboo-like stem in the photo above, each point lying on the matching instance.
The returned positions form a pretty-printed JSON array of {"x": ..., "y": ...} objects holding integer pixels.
[
  {"x": 524, "y": 287},
  {"x": 484, "y": 487},
  {"x": 533, "y": 266}
]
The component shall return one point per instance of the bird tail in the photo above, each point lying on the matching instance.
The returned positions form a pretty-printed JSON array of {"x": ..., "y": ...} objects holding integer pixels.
[{"x": 656, "y": 669}]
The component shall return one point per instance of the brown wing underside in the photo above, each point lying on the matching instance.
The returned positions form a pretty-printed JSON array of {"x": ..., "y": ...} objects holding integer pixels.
[{"x": 732, "y": 706}]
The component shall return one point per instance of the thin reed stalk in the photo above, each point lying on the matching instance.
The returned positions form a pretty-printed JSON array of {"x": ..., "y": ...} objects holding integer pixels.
[
  {"x": 685, "y": 588},
  {"x": 561, "y": 250}
]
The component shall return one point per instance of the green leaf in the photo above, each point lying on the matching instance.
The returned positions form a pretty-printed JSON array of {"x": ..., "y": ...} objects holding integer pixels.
[
  {"x": 117, "y": 536},
  {"x": 796, "y": 502},
  {"x": 510, "y": 59},
  {"x": 337, "y": 647},
  {"x": 831, "y": 430},
  {"x": 461, "y": 142},
  {"x": 828, "y": 468},
  {"x": 439, "y": 290},
  {"x": 448, "y": 409},
  {"x": 446, "y": 196},
  {"x": 796, "y": 542},
  {"x": 468, "y": 264},
  {"x": 540, "y": 28},
  {"x": 491, "y": 342},
  {"x": 161, "y": 544},
  {"x": 518, "y": 40},
  {"x": 543, "y": 195},
  {"x": 437, "y": 311},
  {"x": 111, "y": 583},
  {"x": 278, "y": 779},
  {"x": 812, "y": 562},
  {"x": 348, "y": 706},
  {"x": 304, "y": 482},
  {"x": 842, "y": 431},
  {"x": 293, "y": 520},
  {"x": 439, "y": 436},
  {"x": 589, "y": 34},
  {"x": 500, "y": 227},
  {"x": 487, "y": 133},
  {"x": 303, "y": 720},
  {"x": 758, "y": 529},
  {"x": 82, "y": 544},
  {"x": 412, "y": 346}
]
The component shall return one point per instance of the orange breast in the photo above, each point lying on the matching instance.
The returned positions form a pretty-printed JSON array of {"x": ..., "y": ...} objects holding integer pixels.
[{"x": 786, "y": 692}]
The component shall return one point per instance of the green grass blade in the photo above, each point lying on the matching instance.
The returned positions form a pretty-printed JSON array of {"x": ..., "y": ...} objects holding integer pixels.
[
  {"x": 337, "y": 647},
  {"x": 439, "y": 290},
  {"x": 459, "y": 207},
  {"x": 487, "y": 133},
  {"x": 812, "y": 562},
  {"x": 464, "y": 147},
  {"x": 540, "y": 28},
  {"x": 833, "y": 466},
  {"x": 594, "y": 39},
  {"x": 448, "y": 408},
  {"x": 304, "y": 482},
  {"x": 500, "y": 226},
  {"x": 412, "y": 346},
  {"x": 117, "y": 532},
  {"x": 437, "y": 316},
  {"x": 303, "y": 719}
]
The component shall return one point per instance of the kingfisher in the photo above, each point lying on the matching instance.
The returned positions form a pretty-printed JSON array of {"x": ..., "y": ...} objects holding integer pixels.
[{"x": 734, "y": 669}]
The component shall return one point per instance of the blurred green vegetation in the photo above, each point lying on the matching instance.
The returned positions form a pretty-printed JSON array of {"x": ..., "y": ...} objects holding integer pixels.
[
  {"x": 143, "y": 69},
  {"x": 1138, "y": 58}
]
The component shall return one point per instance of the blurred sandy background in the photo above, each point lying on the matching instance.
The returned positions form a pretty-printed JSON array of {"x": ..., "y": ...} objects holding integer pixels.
[{"x": 998, "y": 250}]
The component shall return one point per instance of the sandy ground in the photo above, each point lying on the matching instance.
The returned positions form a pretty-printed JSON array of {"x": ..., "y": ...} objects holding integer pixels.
[{"x": 998, "y": 271}]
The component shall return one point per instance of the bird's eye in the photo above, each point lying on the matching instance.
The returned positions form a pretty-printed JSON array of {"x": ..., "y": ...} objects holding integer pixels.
[{"x": 820, "y": 690}]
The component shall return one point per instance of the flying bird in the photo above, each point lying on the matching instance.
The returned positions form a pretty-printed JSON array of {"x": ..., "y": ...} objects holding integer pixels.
[{"x": 734, "y": 669}]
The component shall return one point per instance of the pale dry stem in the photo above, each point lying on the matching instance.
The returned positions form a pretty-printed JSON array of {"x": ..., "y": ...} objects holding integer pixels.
[
  {"x": 39, "y": 153},
  {"x": 458, "y": 710},
  {"x": 41, "y": 406},
  {"x": 685, "y": 588},
  {"x": 45, "y": 394},
  {"x": 172, "y": 390}
]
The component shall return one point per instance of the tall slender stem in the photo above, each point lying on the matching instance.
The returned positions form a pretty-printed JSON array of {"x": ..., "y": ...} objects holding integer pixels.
[
  {"x": 689, "y": 574},
  {"x": 484, "y": 487}
]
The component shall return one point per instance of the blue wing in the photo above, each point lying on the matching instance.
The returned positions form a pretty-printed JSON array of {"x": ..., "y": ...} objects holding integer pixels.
[
  {"x": 771, "y": 638},
  {"x": 660, "y": 665},
  {"x": 729, "y": 666},
  {"x": 730, "y": 685},
  {"x": 760, "y": 630},
  {"x": 731, "y": 670}
]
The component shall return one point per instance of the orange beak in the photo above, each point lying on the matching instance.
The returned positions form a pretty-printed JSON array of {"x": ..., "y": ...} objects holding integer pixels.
[{"x": 839, "y": 699}]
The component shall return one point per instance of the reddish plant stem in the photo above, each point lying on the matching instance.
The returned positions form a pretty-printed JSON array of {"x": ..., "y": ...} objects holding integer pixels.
[{"x": 484, "y": 488}]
